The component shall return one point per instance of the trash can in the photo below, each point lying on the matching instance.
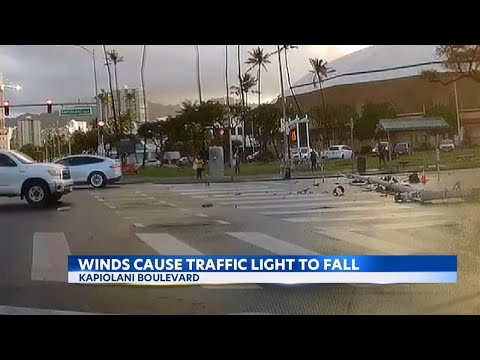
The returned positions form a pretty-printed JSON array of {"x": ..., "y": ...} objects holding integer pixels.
[{"x": 361, "y": 164}]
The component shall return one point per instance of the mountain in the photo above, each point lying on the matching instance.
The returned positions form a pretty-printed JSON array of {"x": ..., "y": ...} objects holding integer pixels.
[{"x": 155, "y": 111}]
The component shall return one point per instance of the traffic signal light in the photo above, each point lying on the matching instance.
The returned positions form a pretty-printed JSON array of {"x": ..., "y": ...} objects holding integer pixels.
[
  {"x": 49, "y": 106},
  {"x": 221, "y": 132},
  {"x": 6, "y": 107},
  {"x": 293, "y": 136}
]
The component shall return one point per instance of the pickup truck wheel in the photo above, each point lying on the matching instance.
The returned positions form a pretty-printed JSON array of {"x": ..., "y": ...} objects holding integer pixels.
[
  {"x": 97, "y": 180},
  {"x": 37, "y": 194}
]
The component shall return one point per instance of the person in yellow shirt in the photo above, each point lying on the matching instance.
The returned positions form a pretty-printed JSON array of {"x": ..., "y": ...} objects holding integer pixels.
[{"x": 198, "y": 167}]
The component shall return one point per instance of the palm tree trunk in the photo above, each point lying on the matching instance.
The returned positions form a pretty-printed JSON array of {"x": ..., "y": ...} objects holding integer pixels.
[
  {"x": 111, "y": 90},
  {"x": 199, "y": 80},
  {"x": 116, "y": 86},
  {"x": 259, "y": 85},
  {"x": 290, "y": 83},
  {"x": 326, "y": 132},
  {"x": 230, "y": 142},
  {"x": 239, "y": 60}
]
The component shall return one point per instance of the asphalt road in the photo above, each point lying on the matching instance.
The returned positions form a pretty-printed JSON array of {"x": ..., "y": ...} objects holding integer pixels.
[{"x": 245, "y": 218}]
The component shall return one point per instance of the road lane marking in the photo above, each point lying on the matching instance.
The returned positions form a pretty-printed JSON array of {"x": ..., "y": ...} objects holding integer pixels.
[
  {"x": 240, "y": 195},
  {"x": 222, "y": 222},
  {"x": 368, "y": 242},
  {"x": 303, "y": 204},
  {"x": 276, "y": 199},
  {"x": 166, "y": 244},
  {"x": 271, "y": 244},
  {"x": 50, "y": 257},
  {"x": 220, "y": 190},
  {"x": 151, "y": 198},
  {"x": 337, "y": 209},
  {"x": 362, "y": 217},
  {"x": 15, "y": 310},
  {"x": 138, "y": 225},
  {"x": 112, "y": 206},
  {"x": 169, "y": 204},
  {"x": 201, "y": 215},
  {"x": 413, "y": 225},
  {"x": 273, "y": 196}
]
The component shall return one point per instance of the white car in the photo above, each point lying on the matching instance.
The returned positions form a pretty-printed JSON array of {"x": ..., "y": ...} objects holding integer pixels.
[
  {"x": 337, "y": 152},
  {"x": 447, "y": 145},
  {"x": 93, "y": 170},
  {"x": 38, "y": 183}
]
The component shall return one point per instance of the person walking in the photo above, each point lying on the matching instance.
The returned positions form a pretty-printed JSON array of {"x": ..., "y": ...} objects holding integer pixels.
[
  {"x": 237, "y": 163},
  {"x": 198, "y": 167},
  {"x": 313, "y": 159}
]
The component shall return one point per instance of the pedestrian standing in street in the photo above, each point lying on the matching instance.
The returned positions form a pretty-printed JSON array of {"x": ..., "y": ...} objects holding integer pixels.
[
  {"x": 313, "y": 159},
  {"x": 198, "y": 167},
  {"x": 237, "y": 163}
]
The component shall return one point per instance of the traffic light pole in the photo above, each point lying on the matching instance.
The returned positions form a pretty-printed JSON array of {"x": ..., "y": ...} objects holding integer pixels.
[{"x": 286, "y": 156}]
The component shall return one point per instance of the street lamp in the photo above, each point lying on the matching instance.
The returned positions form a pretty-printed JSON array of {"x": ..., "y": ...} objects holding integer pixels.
[
  {"x": 92, "y": 52},
  {"x": 100, "y": 126}
]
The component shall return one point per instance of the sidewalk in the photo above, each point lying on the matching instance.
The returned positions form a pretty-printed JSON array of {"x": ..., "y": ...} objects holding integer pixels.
[{"x": 133, "y": 179}]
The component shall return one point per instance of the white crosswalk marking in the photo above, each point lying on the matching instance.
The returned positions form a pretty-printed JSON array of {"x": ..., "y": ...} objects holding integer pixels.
[
  {"x": 50, "y": 257},
  {"x": 277, "y": 199},
  {"x": 166, "y": 244},
  {"x": 15, "y": 310},
  {"x": 301, "y": 205},
  {"x": 347, "y": 219},
  {"x": 365, "y": 241},
  {"x": 336, "y": 209},
  {"x": 271, "y": 244}
]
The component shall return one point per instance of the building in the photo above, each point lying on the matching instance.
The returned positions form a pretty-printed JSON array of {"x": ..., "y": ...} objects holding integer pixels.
[
  {"x": 74, "y": 125},
  {"x": 29, "y": 132},
  {"x": 391, "y": 73},
  {"x": 130, "y": 100}
]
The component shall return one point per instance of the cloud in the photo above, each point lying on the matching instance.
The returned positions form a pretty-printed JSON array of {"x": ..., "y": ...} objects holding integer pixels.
[{"x": 65, "y": 73}]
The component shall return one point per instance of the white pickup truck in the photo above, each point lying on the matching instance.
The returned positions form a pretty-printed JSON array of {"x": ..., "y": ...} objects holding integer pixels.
[
  {"x": 38, "y": 183},
  {"x": 337, "y": 152}
]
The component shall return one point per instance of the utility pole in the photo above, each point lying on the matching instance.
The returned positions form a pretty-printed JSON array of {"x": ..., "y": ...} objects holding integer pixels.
[
  {"x": 286, "y": 157},
  {"x": 351, "y": 142}
]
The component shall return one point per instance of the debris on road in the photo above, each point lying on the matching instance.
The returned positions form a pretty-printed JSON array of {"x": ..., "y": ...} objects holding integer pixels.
[
  {"x": 339, "y": 191},
  {"x": 65, "y": 208},
  {"x": 208, "y": 205},
  {"x": 304, "y": 191},
  {"x": 413, "y": 178},
  {"x": 238, "y": 193}
]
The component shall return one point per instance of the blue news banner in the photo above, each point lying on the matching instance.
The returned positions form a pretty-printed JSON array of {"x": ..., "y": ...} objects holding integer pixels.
[{"x": 295, "y": 269}]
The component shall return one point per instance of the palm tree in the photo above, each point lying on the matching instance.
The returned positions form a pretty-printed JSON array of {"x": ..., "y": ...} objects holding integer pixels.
[
  {"x": 115, "y": 58},
  {"x": 199, "y": 78},
  {"x": 129, "y": 99},
  {"x": 111, "y": 88},
  {"x": 320, "y": 71},
  {"x": 286, "y": 48},
  {"x": 246, "y": 84},
  {"x": 104, "y": 101},
  {"x": 259, "y": 59},
  {"x": 239, "y": 62}
]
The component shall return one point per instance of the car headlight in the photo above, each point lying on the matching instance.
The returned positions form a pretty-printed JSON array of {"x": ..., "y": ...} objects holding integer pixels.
[{"x": 55, "y": 172}]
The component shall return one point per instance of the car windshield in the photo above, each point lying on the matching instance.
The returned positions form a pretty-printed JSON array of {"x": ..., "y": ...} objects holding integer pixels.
[
  {"x": 333, "y": 148},
  {"x": 24, "y": 159},
  {"x": 447, "y": 142}
]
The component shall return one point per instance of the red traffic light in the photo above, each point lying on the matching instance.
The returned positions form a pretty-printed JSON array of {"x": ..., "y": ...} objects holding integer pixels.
[
  {"x": 6, "y": 107},
  {"x": 293, "y": 136},
  {"x": 221, "y": 132}
]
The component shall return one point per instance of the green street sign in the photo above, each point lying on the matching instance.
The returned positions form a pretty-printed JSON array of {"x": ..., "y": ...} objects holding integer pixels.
[{"x": 76, "y": 112}]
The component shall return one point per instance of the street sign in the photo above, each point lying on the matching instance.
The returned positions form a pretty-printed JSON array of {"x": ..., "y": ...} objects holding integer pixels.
[{"x": 76, "y": 112}]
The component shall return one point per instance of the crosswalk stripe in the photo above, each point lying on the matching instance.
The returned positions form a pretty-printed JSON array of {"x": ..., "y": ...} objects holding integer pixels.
[
  {"x": 276, "y": 199},
  {"x": 271, "y": 244},
  {"x": 303, "y": 204},
  {"x": 166, "y": 244},
  {"x": 365, "y": 241},
  {"x": 362, "y": 217},
  {"x": 240, "y": 194},
  {"x": 413, "y": 225},
  {"x": 16, "y": 310},
  {"x": 262, "y": 197},
  {"x": 50, "y": 257},
  {"x": 336, "y": 209},
  {"x": 221, "y": 191}
]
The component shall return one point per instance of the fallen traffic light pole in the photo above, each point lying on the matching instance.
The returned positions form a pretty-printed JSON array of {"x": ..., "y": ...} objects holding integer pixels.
[{"x": 405, "y": 193}]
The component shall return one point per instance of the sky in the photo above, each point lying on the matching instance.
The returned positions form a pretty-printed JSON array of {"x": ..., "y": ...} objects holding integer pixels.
[{"x": 65, "y": 73}]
